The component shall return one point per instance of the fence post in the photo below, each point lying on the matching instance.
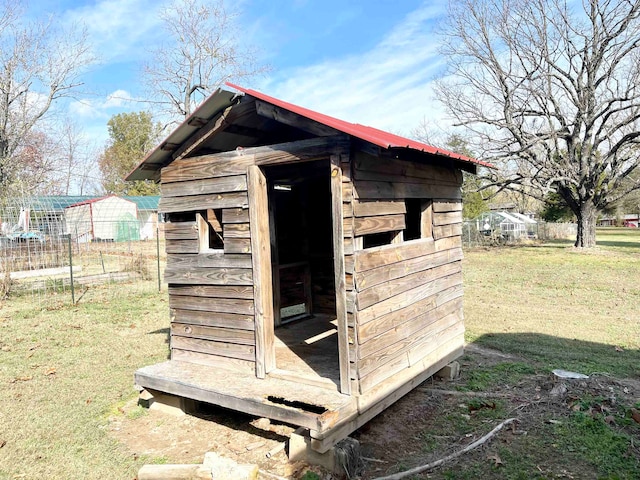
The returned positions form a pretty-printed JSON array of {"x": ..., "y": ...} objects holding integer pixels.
[
  {"x": 73, "y": 292},
  {"x": 158, "y": 257}
]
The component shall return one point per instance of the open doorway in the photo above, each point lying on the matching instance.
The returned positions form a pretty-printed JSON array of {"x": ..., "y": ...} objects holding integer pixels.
[{"x": 300, "y": 223}]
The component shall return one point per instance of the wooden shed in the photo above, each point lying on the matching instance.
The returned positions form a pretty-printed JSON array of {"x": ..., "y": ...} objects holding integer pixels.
[{"x": 314, "y": 265}]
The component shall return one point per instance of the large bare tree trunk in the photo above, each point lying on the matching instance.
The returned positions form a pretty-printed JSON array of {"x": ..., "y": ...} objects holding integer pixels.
[{"x": 587, "y": 215}]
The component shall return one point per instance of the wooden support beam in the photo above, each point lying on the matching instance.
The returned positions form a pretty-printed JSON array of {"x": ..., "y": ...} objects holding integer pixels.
[
  {"x": 292, "y": 119},
  {"x": 339, "y": 272},
  {"x": 262, "y": 274}
]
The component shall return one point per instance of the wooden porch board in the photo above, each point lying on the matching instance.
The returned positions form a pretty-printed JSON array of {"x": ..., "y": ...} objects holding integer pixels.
[{"x": 246, "y": 393}]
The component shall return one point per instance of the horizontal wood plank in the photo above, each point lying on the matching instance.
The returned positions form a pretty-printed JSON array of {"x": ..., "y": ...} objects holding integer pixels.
[
  {"x": 233, "y": 183},
  {"x": 368, "y": 208},
  {"x": 203, "y": 202},
  {"x": 218, "y": 334},
  {"x": 379, "y": 275},
  {"x": 181, "y": 231},
  {"x": 225, "y": 363},
  {"x": 236, "y": 230},
  {"x": 208, "y": 276},
  {"x": 182, "y": 246},
  {"x": 237, "y": 245},
  {"x": 223, "y": 349},
  {"x": 447, "y": 218},
  {"x": 386, "y": 290},
  {"x": 408, "y": 297},
  {"x": 235, "y": 215},
  {"x": 387, "y": 322},
  {"x": 444, "y": 205},
  {"x": 378, "y": 224},
  {"x": 445, "y": 231},
  {"x": 206, "y": 166},
  {"x": 368, "y": 164},
  {"x": 212, "y": 291},
  {"x": 209, "y": 259},
  {"x": 226, "y": 320},
  {"x": 394, "y": 190},
  {"x": 388, "y": 254},
  {"x": 219, "y": 305}
]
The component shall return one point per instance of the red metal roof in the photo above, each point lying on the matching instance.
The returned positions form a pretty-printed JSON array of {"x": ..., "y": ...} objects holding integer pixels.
[{"x": 369, "y": 134}]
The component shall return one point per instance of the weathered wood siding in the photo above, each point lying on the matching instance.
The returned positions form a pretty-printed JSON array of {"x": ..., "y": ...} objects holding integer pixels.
[
  {"x": 211, "y": 295},
  {"x": 405, "y": 298}
]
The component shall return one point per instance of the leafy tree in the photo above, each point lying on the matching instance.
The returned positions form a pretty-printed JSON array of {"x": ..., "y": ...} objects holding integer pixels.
[
  {"x": 555, "y": 209},
  {"x": 474, "y": 192},
  {"x": 40, "y": 63},
  {"x": 201, "y": 53},
  {"x": 550, "y": 90},
  {"x": 131, "y": 136}
]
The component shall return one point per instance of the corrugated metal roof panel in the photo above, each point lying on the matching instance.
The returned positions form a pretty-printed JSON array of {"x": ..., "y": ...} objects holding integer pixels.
[{"x": 373, "y": 135}]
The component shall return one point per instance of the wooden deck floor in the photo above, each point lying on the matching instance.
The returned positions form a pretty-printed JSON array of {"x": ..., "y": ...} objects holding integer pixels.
[
  {"x": 276, "y": 398},
  {"x": 307, "y": 350}
]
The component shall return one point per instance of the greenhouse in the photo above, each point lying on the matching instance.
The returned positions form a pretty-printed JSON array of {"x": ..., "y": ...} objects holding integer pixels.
[{"x": 507, "y": 226}]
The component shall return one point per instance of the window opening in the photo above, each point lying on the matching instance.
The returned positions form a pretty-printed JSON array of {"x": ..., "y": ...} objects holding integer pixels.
[
  {"x": 210, "y": 229},
  {"x": 377, "y": 239},
  {"x": 418, "y": 219}
]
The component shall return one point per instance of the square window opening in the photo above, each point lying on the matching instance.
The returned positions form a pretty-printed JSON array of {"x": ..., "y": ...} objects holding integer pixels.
[
  {"x": 418, "y": 219},
  {"x": 377, "y": 239},
  {"x": 210, "y": 229}
]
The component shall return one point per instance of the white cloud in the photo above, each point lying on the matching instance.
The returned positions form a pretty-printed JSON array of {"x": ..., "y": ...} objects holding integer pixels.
[
  {"x": 120, "y": 29},
  {"x": 388, "y": 87},
  {"x": 103, "y": 108}
]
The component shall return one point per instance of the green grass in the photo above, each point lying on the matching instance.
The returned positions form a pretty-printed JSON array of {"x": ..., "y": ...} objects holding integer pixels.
[
  {"x": 558, "y": 306},
  {"x": 54, "y": 424}
]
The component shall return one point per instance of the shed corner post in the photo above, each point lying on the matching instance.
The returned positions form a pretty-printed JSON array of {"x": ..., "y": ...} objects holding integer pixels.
[
  {"x": 339, "y": 271},
  {"x": 262, "y": 275}
]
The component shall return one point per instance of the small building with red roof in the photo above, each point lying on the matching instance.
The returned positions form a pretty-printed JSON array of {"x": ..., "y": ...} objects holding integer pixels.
[
  {"x": 314, "y": 265},
  {"x": 107, "y": 219}
]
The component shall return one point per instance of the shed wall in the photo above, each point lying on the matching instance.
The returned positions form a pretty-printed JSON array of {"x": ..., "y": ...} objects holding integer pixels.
[{"x": 406, "y": 297}]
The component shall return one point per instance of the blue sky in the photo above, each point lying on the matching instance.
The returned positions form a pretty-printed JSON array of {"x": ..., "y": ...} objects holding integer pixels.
[{"x": 370, "y": 62}]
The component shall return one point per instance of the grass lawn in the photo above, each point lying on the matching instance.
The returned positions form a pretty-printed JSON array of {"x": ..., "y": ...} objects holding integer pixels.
[{"x": 66, "y": 370}]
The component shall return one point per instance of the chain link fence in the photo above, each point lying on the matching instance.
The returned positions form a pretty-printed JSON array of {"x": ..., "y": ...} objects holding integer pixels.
[
  {"x": 479, "y": 234},
  {"x": 55, "y": 253}
]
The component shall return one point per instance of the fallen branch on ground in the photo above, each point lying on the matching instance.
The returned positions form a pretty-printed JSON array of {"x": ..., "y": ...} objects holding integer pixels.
[{"x": 437, "y": 463}]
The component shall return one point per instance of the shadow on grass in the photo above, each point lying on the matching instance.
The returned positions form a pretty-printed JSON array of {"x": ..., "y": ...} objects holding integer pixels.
[
  {"x": 618, "y": 244},
  {"x": 551, "y": 352}
]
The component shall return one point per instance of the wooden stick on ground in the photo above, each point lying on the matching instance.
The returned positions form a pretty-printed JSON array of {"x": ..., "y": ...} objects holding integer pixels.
[{"x": 437, "y": 463}]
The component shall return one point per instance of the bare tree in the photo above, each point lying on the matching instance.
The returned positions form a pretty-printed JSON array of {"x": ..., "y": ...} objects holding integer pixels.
[
  {"x": 551, "y": 94},
  {"x": 39, "y": 65},
  {"x": 201, "y": 53}
]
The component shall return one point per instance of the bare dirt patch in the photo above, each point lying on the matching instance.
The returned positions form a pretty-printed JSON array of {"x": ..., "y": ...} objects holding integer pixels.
[{"x": 434, "y": 420}]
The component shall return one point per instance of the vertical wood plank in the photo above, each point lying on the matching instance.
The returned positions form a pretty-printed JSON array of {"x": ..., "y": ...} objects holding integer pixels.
[
  {"x": 262, "y": 274},
  {"x": 339, "y": 271}
]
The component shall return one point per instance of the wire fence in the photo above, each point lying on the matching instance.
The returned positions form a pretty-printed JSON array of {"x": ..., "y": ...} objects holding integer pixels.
[
  {"x": 57, "y": 254},
  {"x": 485, "y": 233}
]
